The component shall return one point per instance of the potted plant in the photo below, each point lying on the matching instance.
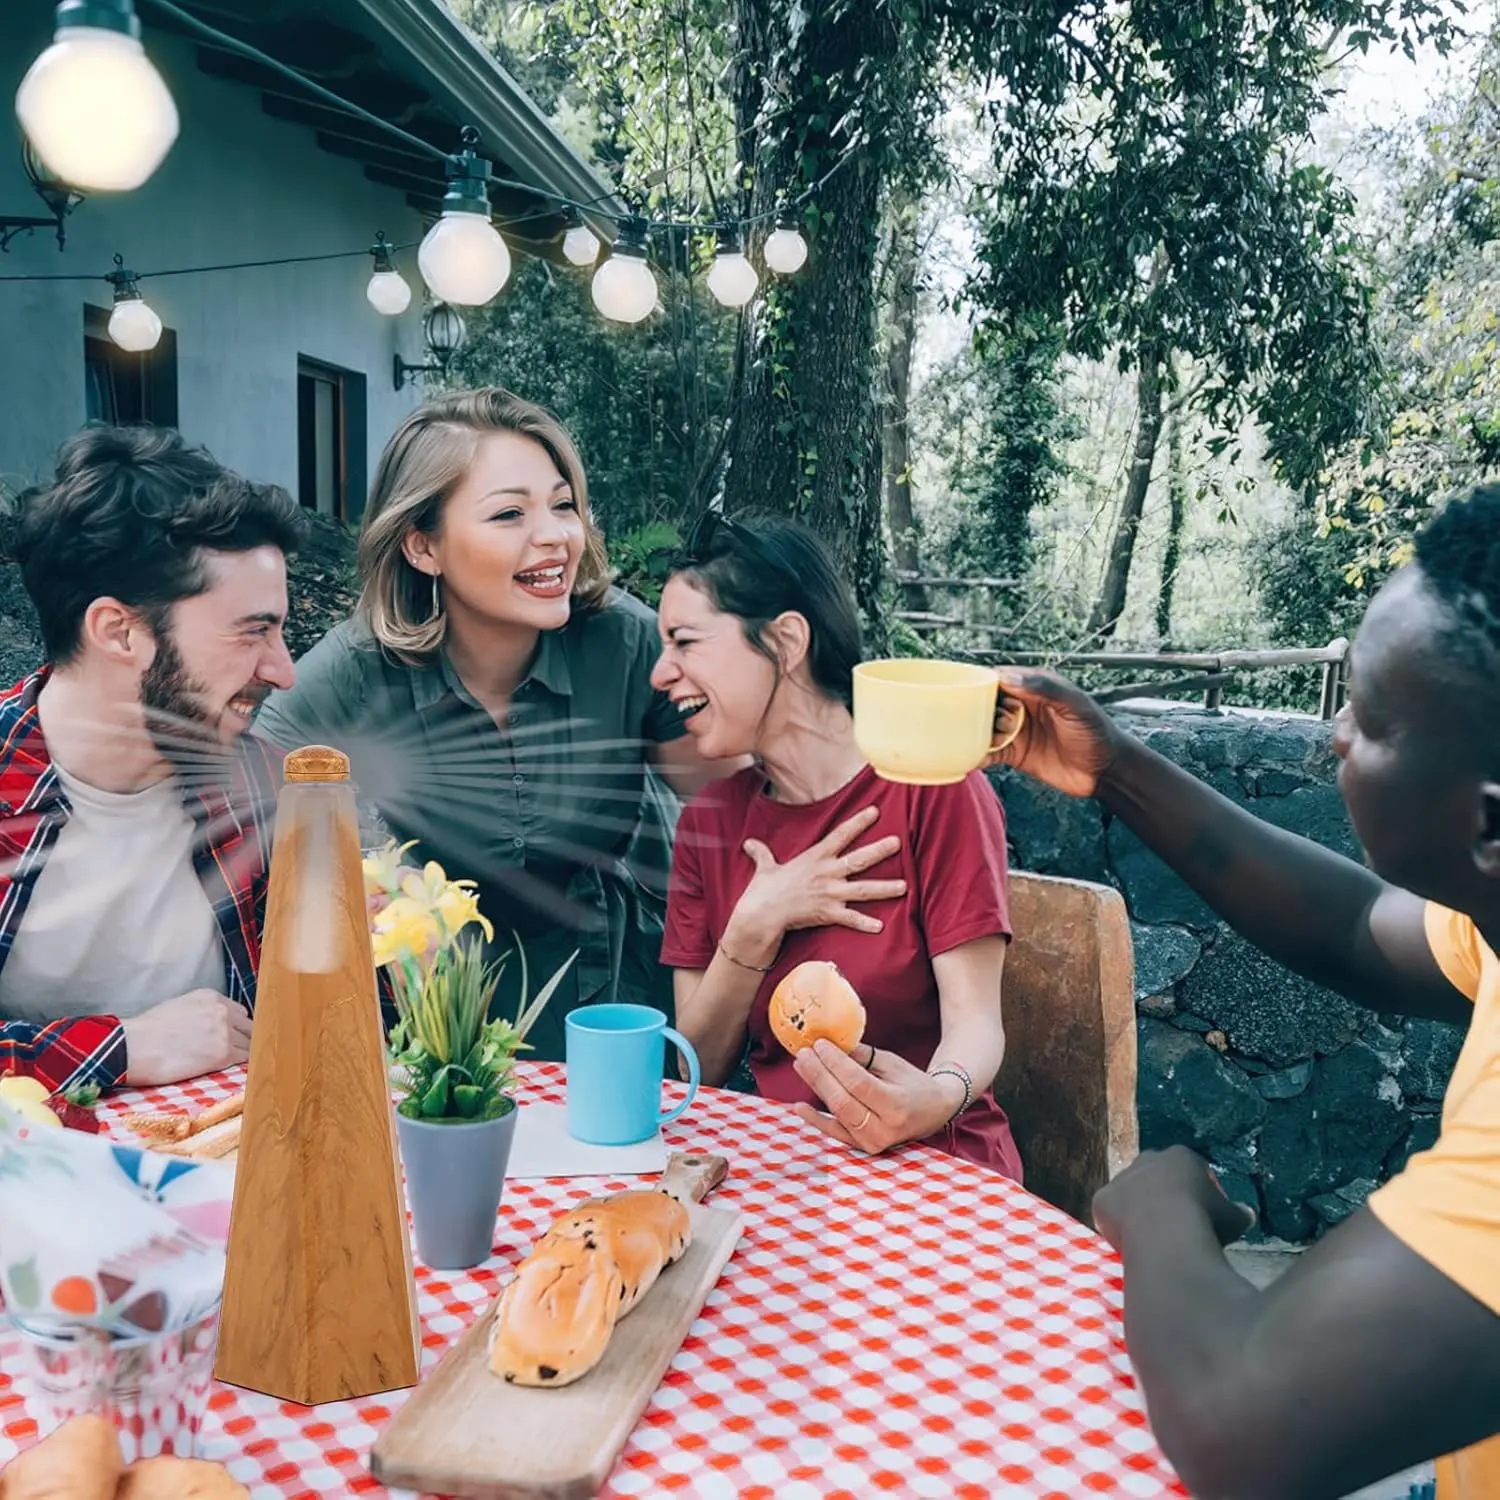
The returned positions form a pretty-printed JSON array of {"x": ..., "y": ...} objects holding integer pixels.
[{"x": 451, "y": 1063}]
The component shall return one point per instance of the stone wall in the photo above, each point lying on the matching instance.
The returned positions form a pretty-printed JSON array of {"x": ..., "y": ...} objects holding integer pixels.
[{"x": 1304, "y": 1102}]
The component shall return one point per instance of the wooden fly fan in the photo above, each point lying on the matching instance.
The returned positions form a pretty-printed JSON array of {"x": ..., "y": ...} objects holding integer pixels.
[{"x": 319, "y": 1299}]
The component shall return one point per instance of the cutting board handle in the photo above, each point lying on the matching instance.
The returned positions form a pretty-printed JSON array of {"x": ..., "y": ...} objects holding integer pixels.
[{"x": 691, "y": 1175}]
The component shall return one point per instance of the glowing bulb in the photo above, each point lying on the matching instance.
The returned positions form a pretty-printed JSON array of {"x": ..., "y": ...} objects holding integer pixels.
[
  {"x": 786, "y": 250},
  {"x": 134, "y": 326},
  {"x": 388, "y": 293},
  {"x": 93, "y": 106},
  {"x": 624, "y": 289},
  {"x": 463, "y": 259},
  {"x": 581, "y": 245},
  {"x": 732, "y": 278}
]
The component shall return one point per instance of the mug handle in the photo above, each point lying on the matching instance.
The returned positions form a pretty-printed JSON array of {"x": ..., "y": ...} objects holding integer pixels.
[{"x": 686, "y": 1048}]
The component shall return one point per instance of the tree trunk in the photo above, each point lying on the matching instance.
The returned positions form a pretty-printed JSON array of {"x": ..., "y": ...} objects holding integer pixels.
[
  {"x": 805, "y": 425},
  {"x": 1171, "y": 556},
  {"x": 1111, "y": 604},
  {"x": 895, "y": 427}
]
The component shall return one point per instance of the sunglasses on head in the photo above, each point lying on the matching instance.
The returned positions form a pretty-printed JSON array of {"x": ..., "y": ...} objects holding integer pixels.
[{"x": 715, "y": 535}]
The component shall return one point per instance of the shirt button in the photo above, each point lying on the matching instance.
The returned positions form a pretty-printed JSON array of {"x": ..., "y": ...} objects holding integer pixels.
[
  {"x": 519, "y": 842},
  {"x": 519, "y": 780}
]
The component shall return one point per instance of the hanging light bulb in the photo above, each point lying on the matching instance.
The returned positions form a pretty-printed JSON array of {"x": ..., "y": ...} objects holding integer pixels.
[
  {"x": 732, "y": 278},
  {"x": 387, "y": 292},
  {"x": 785, "y": 249},
  {"x": 623, "y": 288},
  {"x": 463, "y": 260},
  {"x": 92, "y": 104},
  {"x": 132, "y": 324},
  {"x": 580, "y": 243}
]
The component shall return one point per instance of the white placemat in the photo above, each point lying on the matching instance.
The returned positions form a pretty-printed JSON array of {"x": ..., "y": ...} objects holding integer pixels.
[{"x": 543, "y": 1148}]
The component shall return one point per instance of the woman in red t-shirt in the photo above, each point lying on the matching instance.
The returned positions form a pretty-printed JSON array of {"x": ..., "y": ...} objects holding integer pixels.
[{"x": 809, "y": 854}]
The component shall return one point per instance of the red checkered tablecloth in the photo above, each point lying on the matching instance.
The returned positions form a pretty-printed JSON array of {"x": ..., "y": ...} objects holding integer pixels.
[{"x": 905, "y": 1325}]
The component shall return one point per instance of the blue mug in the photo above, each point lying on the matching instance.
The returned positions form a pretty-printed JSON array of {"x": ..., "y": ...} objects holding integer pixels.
[{"x": 616, "y": 1055}]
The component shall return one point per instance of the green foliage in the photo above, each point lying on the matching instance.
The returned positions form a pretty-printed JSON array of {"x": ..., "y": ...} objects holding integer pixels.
[
  {"x": 642, "y": 410},
  {"x": 642, "y": 559},
  {"x": 999, "y": 426},
  {"x": 1149, "y": 193},
  {"x": 1438, "y": 326},
  {"x": 450, "y": 1061}
]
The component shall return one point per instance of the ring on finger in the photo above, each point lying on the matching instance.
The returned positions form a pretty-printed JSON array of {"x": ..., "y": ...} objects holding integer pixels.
[{"x": 860, "y": 1124}]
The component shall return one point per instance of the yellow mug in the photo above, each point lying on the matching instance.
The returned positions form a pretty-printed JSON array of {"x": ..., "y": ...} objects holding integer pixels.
[{"x": 925, "y": 722}]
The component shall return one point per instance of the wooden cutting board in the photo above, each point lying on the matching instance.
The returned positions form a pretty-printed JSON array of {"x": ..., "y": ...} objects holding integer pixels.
[{"x": 466, "y": 1432}]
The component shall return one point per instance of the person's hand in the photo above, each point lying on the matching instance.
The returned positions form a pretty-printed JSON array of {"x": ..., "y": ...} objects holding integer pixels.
[
  {"x": 1064, "y": 737},
  {"x": 874, "y": 1108},
  {"x": 819, "y": 888},
  {"x": 196, "y": 1033},
  {"x": 1155, "y": 1177}
]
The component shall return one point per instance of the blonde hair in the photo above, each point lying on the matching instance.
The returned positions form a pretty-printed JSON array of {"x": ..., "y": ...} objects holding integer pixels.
[{"x": 427, "y": 456}]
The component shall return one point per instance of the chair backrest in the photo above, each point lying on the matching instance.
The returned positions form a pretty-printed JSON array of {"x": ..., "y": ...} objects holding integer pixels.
[{"x": 1068, "y": 1081}]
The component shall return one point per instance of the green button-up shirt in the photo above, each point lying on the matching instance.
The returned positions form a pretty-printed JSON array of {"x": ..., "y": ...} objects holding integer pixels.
[{"x": 556, "y": 814}]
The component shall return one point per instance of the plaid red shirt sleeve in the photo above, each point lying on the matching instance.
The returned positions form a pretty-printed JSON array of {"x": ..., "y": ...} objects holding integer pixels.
[{"x": 65, "y": 1054}]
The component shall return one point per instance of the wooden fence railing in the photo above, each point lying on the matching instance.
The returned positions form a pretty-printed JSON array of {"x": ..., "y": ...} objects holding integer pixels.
[{"x": 1205, "y": 672}]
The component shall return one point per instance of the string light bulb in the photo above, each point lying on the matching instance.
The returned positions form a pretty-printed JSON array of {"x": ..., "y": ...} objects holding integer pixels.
[
  {"x": 731, "y": 278},
  {"x": 580, "y": 244},
  {"x": 92, "y": 105},
  {"x": 132, "y": 324},
  {"x": 463, "y": 259},
  {"x": 623, "y": 288},
  {"x": 388, "y": 292},
  {"x": 785, "y": 250}
]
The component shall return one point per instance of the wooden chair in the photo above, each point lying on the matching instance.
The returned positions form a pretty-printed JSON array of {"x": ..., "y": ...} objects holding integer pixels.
[{"x": 1068, "y": 1081}]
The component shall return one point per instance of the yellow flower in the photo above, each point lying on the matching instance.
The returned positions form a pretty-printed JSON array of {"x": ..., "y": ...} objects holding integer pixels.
[
  {"x": 453, "y": 902},
  {"x": 457, "y": 907},
  {"x": 406, "y": 930},
  {"x": 383, "y": 871}
]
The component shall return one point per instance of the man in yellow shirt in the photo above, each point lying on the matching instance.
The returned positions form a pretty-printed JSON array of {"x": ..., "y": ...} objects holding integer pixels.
[{"x": 1381, "y": 1347}]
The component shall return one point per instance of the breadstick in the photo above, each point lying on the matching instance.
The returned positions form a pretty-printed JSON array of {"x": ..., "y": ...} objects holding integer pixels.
[
  {"x": 218, "y": 1140},
  {"x": 160, "y": 1127},
  {"x": 216, "y": 1114}
]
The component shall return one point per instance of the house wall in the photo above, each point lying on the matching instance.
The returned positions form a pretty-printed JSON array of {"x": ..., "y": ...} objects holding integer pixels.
[{"x": 236, "y": 186}]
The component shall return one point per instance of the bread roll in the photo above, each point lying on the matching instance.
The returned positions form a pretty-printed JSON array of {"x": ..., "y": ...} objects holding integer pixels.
[
  {"x": 81, "y": 1460},
  {"x": 816, "y": 1003},
  {"x": 645, "y": 1231},
  {"x": 555, "y": 1318},
  {"x": 179, "y": 1479}
]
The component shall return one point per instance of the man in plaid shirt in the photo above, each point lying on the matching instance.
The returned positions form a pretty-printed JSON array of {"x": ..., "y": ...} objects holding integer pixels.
[{"x": 135, "y": 811}]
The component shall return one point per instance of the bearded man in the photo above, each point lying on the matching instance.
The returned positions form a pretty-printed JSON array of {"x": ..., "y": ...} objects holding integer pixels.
[{"x": 135, "y": 811}]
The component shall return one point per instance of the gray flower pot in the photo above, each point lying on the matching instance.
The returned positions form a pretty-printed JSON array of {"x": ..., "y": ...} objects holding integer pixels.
[{"x": 455, "y": 1171}]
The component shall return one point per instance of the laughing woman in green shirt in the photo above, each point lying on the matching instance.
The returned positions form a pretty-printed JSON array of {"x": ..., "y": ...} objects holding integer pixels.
[{"x": 493, "y": 694}]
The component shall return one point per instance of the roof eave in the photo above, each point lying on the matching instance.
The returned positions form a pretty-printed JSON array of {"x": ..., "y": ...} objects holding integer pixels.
[{"x": 482, "y": 93}]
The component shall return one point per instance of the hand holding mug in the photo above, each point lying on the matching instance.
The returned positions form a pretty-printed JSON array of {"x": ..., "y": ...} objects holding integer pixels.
[{"x": 1052, "y": 730}]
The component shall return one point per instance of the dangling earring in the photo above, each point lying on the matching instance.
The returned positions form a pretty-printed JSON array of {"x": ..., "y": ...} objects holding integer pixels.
[{"x": 437, "y": 603}]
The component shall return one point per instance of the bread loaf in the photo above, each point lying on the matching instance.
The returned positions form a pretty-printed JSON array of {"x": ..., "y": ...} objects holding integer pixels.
[
  {"x": 594, "y": 1264},
  {"x": 645, "y": 1232},
  {"x": 555, "y": 1318}
]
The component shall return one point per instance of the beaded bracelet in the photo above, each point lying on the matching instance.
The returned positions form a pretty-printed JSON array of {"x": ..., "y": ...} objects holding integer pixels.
[{"x": 961, "y": 1073}]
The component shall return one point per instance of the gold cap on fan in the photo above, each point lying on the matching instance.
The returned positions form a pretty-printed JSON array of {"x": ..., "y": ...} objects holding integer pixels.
[{"x": 316, "y": 763}]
